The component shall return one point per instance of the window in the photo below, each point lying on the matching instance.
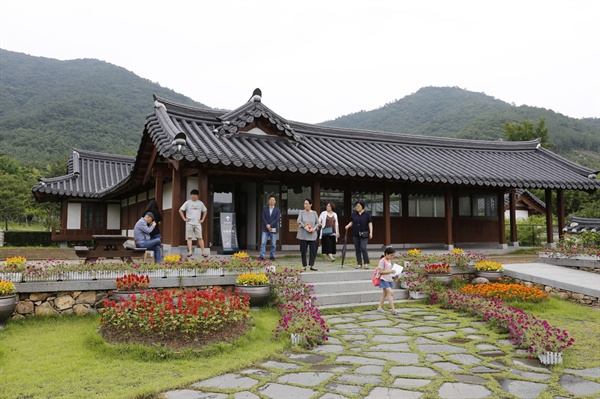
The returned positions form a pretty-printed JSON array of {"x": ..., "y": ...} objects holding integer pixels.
[
  {"x": 478, "y": 204},
  {"x": 426, "y": 205},
  {"x": 94, "y": 215},
  {"x": 396, "y": 204},
  {"x": 335, "y": 196},
  {"x": 296, "y": 196},
  {"x": 373, "y": 201}
]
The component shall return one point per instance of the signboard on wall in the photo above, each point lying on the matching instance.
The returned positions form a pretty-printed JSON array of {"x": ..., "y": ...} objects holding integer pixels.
[
  {"x": 228, "y": 234},
  {"x": 293, "y": 225}
]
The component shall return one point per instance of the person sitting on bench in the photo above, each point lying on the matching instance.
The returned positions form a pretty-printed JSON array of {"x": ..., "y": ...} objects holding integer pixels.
[{"x": 141, "y": 235}]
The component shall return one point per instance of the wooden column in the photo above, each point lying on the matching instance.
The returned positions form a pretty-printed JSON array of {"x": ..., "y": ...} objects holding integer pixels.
[
  {"x": 316, "y": 196},
  {"x": 177, "y": 201},
  {"x": 512, "y": 209},
  {"x": 204, "y": 196},
  {"x": 560, "y": 211},
  {"x": 449, "y": 218},
  {"x": 386, "y": 215},
  {"x": 500, "y": 208},
  {"x": 549, "y": 229},
  {"x": 158, "y": 188},
  {"x": 405, "y": 193}
]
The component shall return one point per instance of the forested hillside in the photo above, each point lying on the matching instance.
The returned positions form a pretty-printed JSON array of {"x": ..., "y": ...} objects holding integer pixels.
[
  {"x": 454, "y": 112},
  {"x": 48, "y": 107}
]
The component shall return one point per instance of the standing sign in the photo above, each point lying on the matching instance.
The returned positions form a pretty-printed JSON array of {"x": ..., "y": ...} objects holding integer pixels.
[{"x": 228, "y": 234}]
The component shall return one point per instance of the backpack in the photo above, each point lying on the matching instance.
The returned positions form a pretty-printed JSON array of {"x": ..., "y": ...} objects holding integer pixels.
[{"x": 376, "y": 277}]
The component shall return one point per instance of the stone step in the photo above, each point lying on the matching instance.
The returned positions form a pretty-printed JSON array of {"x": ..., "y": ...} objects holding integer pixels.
[
  {"x": 343, "y": 286},
  {"x": 345, "y": 274},
  {"x": 356, "y": 297}
]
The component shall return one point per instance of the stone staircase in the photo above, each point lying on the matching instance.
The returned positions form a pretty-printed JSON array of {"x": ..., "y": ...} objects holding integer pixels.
[{"x": 346, "y": 288}]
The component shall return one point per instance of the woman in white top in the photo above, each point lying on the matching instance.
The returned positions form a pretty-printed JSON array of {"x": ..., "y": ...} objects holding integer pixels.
[{"x": 329, "y": 221}]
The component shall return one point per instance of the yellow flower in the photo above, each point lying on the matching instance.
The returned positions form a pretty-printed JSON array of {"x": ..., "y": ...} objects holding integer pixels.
[
  {"x": 240, "y": 255},
  {"x": 414, "y": 252},
  {"x": 15, "y": 261},
  {"x": 252, "y": 279},
  {"x": 6, "y": 288},
  {"x": 489, "y": 266},
  {"x": 172, "y": 258},
  {"x": 456, "y": 251}
]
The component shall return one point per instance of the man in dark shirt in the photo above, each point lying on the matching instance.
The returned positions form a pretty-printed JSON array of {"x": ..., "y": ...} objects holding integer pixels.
[{"x": 270, "y": 223}]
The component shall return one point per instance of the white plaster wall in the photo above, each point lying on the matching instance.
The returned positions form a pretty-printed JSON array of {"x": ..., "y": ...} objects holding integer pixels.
[
  {"x": 74, "y": 215},
  {"x": 192, "y": 183},
  {"x": 141, "y": 197},
  {"x": 113, "y": 216},
  {"x": 167, "y": 200},
  {"x": 519, "y": 214}
]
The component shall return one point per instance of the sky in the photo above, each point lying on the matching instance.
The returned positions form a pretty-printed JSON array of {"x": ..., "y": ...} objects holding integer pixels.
[{"x": 316, "y": 60}]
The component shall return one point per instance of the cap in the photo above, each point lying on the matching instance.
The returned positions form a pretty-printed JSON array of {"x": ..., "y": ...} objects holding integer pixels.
[{"x": 150, "y": 214}]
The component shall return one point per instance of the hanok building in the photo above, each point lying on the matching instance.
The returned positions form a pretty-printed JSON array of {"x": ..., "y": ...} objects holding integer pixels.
[
  {"x": 526, "y": 204},
  {"x": 421, "y": 191}
]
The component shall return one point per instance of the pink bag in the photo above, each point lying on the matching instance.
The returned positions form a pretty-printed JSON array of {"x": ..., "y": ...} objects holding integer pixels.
[{"x": 376, "y": 278}]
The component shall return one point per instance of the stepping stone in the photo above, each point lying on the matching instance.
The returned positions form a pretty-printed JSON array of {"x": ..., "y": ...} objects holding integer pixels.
[
  {"x": 450, "y": 390},
  {"x": 359, "y": 360},
  {"x": 378, "y": 323},
  {"x": 330, "y": 367},
  {"x": 245, "y": 395},
  {"x": 484, "y": 369},
  {"x": 308, "y": 378},
  {"x": 377, "y": 370},
  {"x": 402, "y": 347},
  {"x": 330, "y": 395},
  {"x": 448, "y": 366},
  {"x": 307, "y": 357},
  {"x": 390, "y": 338},
  {"x": 280, "y": 365},
  {"x": 278, "y": 391},
  {"x": 335, "y": 320},
  {"x": 392, "y": 393},
  {"x": 432, "y": 357},
  {"x": 392, "y": 330},
  {"x": 440, "y": 348},
  {"x": 478, "y": 336},
  {"x": 530, "y": 375},
  {"x": 430, "y": 317},
  {"x": 441, "y": 335},
  {"x": 448, "y": 325},
  {"x": 347, "y": 325},
  {"x": 522, "y": 389},
  {"x": 578, "y": 386},
  {"x": 410, "y": 382},
  {"x": 333, "y": 340},
  {"x": 533, "y": 364},
  {"x": 376, "y": 316},
  {"x": 424, "y": 329},
  {"x": 398, "y": 357},
  {"x": 227, "y": 381},
  {"x": 354, "y": 337},
  {"x": 416, "y": 371},
  {"x": 505, "y": 342},
  {"x": 470, "y": 379},
  {"x": 593, "y": 372},
  {"x": 259, "y": 372},
  {"x": 360, "y": 379},
  {"x": 486, "y": 347},
  {"x": 341, "y": 388},
  {"x": 492, "y": 353},
  {"x": 357, "y": 346},
  {"x": 329, "y": 349},
  {"x": 422, "y": 340},
  {"x": 359, "y": 330},
  {"x": 466, "y": 359},
  {"x": 191, "y": 394},
  {"x": 468, "y": 330},
  {"x": 405, "y": 325}
]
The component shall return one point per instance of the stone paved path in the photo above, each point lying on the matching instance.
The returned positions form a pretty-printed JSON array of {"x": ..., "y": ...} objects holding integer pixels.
[{"x": 420, "y": 353}]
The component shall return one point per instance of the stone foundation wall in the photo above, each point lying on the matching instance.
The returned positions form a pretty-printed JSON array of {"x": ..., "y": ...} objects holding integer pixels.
[{"x": 553, "y": 291}]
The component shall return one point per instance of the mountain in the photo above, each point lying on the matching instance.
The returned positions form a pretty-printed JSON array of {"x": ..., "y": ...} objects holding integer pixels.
[
  {"x": 454, "y": 112},
  {"x": 48, "y": 107}
]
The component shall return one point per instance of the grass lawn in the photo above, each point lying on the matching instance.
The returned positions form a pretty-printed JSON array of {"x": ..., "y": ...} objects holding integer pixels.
[{"x": 66, "y": 358}]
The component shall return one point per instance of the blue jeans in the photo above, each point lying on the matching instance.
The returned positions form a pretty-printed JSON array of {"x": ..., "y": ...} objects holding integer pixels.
[
  {"x": 360, "y": 246},
  {"x": 154, "y": 246},
  {"x": 263, "y": 244}
]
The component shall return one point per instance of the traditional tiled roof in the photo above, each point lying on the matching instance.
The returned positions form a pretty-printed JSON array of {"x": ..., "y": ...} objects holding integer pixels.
[
  {"x": 88, "y": 173},
  {"x": 330, "y": 151},
  {"x": 522, "y": 192},
  {"x": 579, "y": 225}
]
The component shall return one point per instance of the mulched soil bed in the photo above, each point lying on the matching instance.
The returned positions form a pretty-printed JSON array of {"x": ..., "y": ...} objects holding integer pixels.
[
  {"x": 175, "y": 341},
  {"x": 38, "y": 253}
]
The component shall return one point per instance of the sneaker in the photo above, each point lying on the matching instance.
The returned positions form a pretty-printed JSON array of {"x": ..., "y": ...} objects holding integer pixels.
[
  {"x": 395, "y": 312},
  {"x": 272, "y": 258},
  {"x": 189, "y": 254},
  {"x": 380, "y": 310}
]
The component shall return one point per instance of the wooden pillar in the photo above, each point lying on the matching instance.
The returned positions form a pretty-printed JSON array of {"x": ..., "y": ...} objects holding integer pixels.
[
  {"x": 204, "y": 196},
  {"x": 449, "y": 240},
  {"x": 549, "y": 229},
  {"x": 512, "y": 209},
  {"x": 560, "y": 211},
  {"x": 176, "y": 201},
  {"x": 501, "y": 228},
  {"x": 455, "y": 217},
  {"x": 158, "y": 188},
  {"x": 405, "y": 232},
  {"x": 316, "y": 196},
  {"x": 386, "y": 215}
]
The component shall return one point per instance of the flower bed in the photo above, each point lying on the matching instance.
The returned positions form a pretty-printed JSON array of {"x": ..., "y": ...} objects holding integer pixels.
[
  {"x": 190, "y": 320},
  {"x": 526, "y": 330},
  {"x": 506, "y": 292}
]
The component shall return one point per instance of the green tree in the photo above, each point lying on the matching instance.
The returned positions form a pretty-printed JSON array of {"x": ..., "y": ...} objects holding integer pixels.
[{"x": 526, "y": 131}]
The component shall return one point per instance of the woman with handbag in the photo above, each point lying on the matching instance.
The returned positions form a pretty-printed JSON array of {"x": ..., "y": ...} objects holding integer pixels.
[
  {"x": 330, "y": 231},
  {"x": 308, "y": 225},
  {"x": 362, "y": 230}
]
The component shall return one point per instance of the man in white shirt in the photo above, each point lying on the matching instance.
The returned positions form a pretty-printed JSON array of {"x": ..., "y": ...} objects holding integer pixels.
[{"x": 195, "y": 213}]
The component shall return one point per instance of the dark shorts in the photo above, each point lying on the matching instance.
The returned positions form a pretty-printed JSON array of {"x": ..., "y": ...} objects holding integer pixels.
[{"x": 386, "y": 284}]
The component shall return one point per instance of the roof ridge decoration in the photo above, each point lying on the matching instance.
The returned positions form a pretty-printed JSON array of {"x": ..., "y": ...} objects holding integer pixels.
[
  {"x": 234, "y": 122},
  {"x": 177, "y": 146}
]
